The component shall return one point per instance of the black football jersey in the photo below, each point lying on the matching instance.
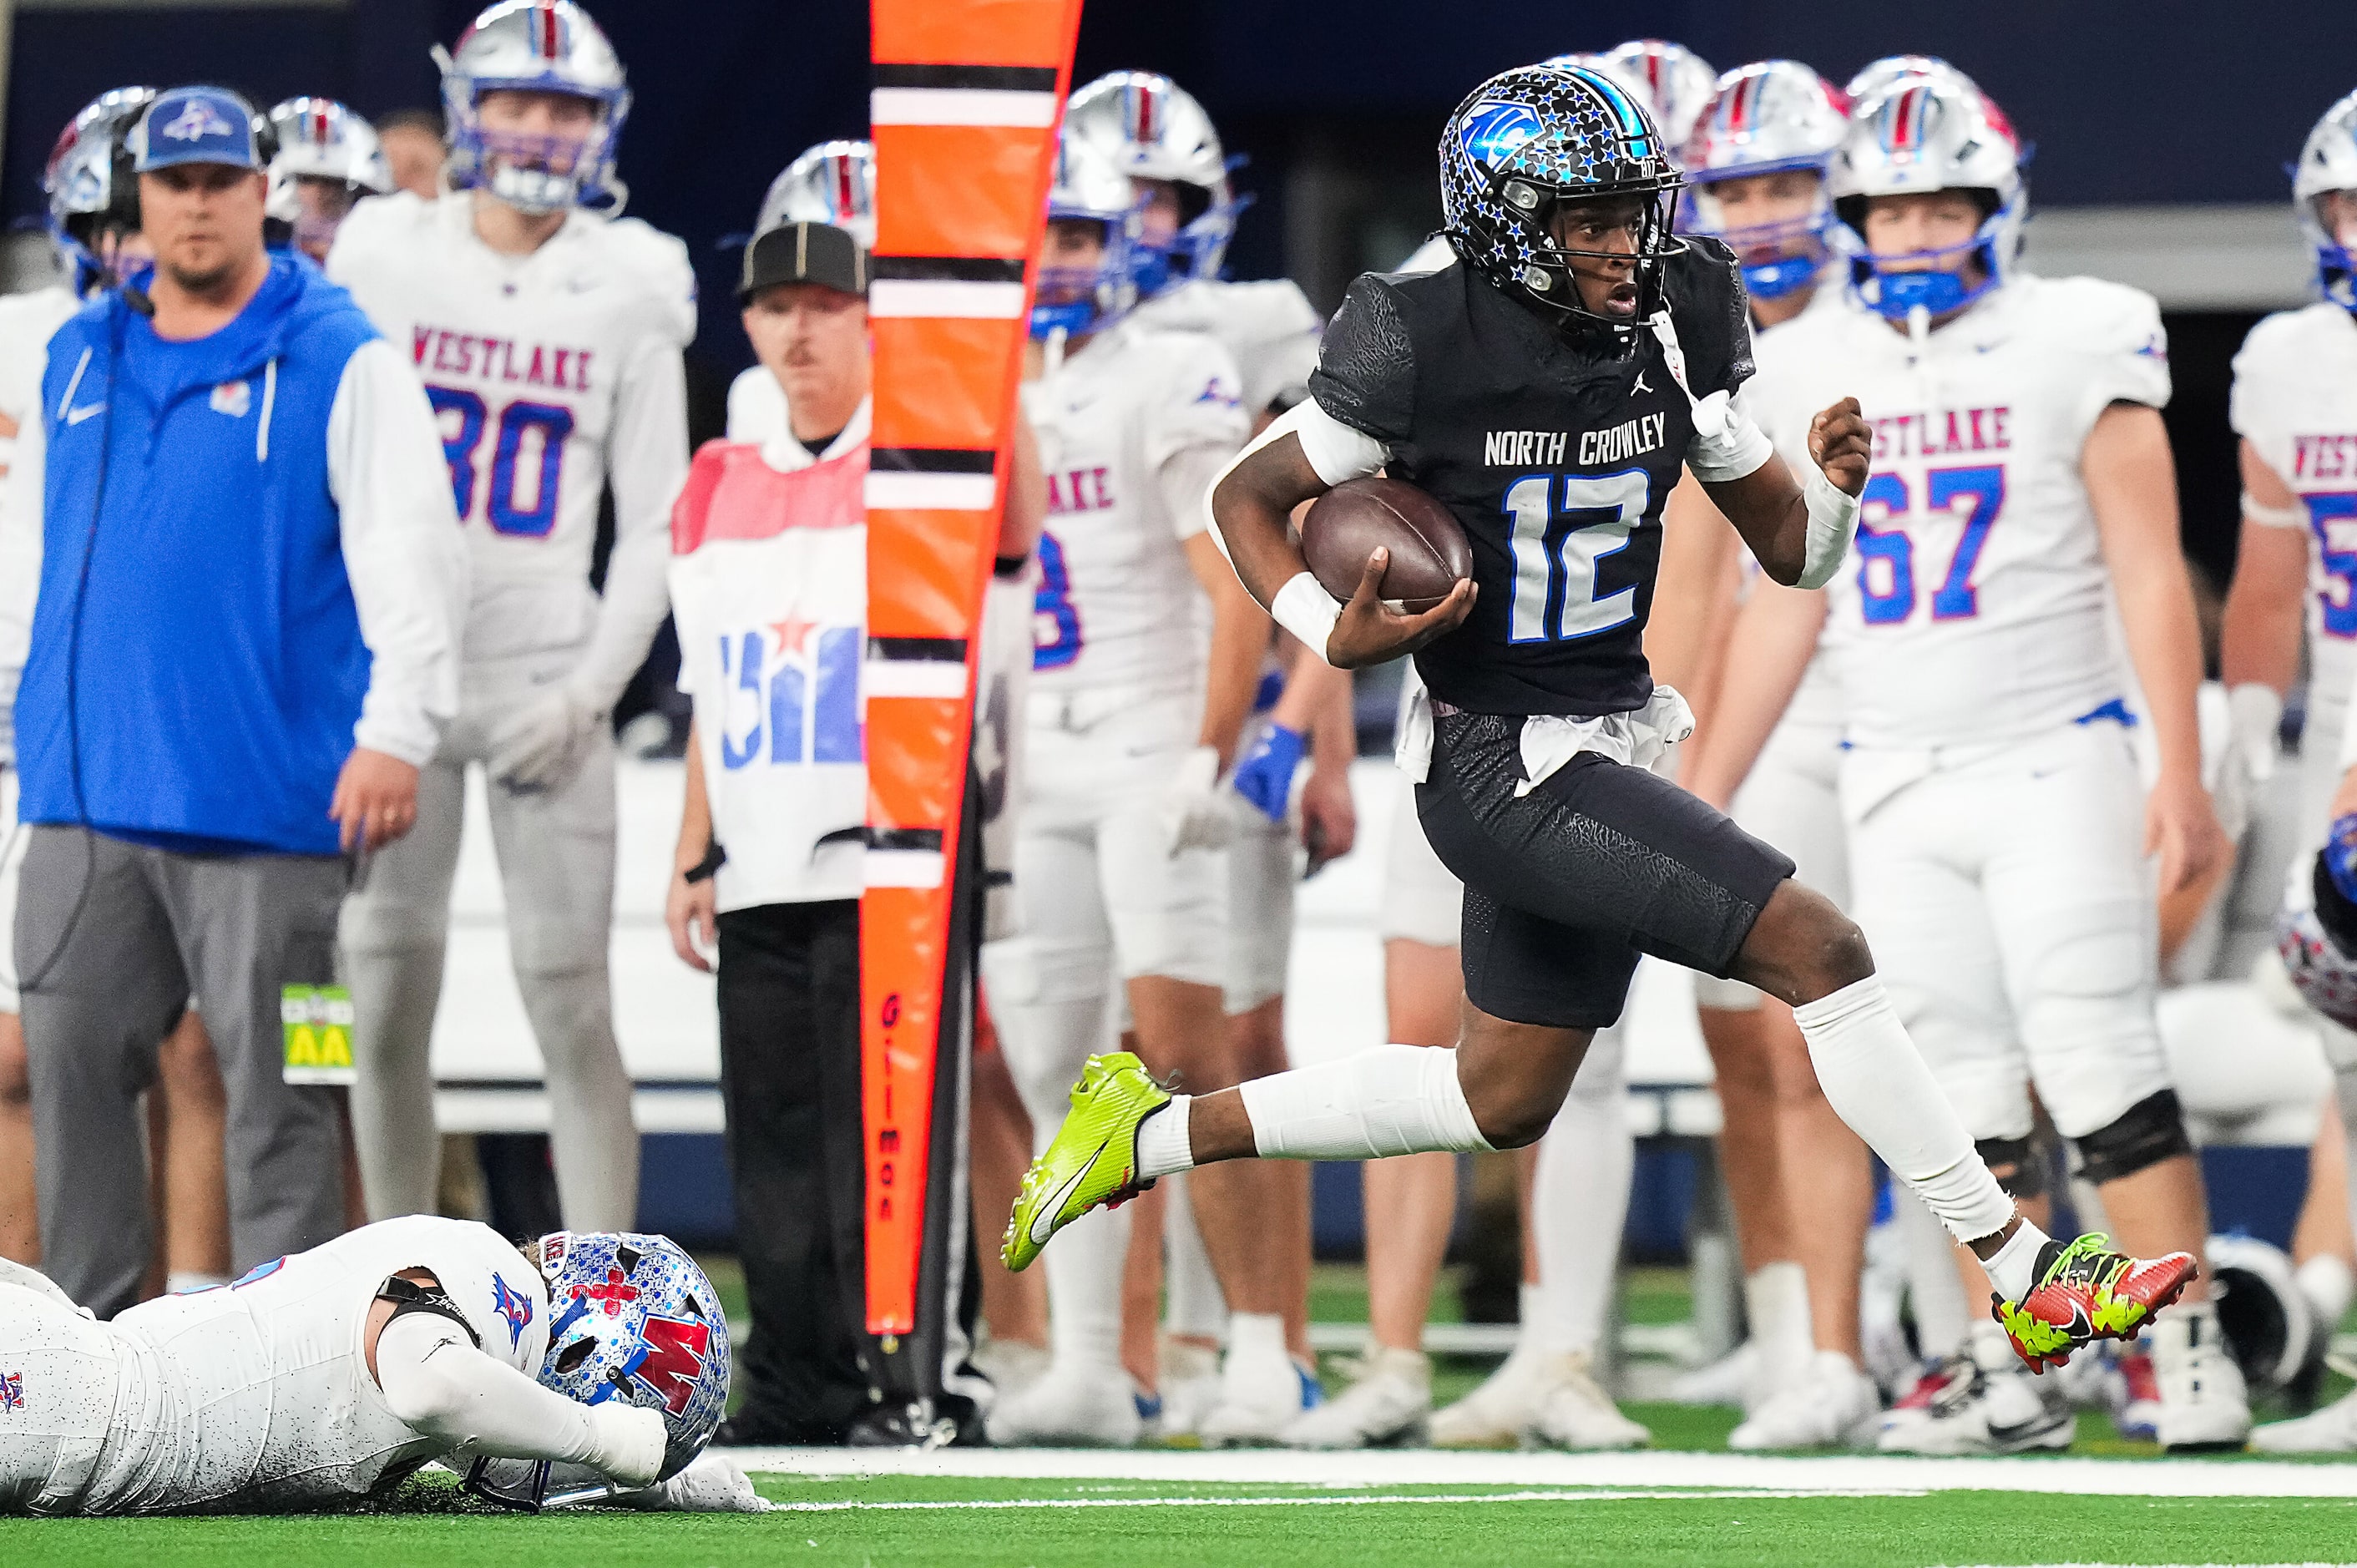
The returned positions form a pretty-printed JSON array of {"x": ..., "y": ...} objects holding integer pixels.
[{"x": 1555, "y": 457}]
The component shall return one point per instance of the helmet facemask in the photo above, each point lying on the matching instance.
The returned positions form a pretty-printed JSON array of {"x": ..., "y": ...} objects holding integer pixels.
[
  {"x": 1942, "y": 288},
  {"x": 1548, "y": 278},
  {"x": 2330, "y": 219},
  {"x": 1778, "y": 256},
  {"x": 538, "y": 173},
  {"x": 1078, "y": 300}
]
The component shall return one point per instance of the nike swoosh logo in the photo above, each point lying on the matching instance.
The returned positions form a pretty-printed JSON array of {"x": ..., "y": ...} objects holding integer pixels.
[
  {"x": 76, "y": 415},
  {"x": 1043, "y": 1222}
]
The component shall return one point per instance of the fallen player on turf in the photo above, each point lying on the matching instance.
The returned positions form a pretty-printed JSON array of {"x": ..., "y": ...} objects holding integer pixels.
[{"x": 588, "y": 1367}]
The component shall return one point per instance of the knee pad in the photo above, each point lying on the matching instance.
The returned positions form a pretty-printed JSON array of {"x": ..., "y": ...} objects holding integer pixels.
[
  {"x": 2150, "y": 1131},
  {"x": 2017, "y": 1164}
]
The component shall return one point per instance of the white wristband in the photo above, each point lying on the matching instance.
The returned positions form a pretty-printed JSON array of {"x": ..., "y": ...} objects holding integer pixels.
[
  {"x": 1833, "y": 519},
  {"x": 1307, "y": 611},
  {"x": 2265, "y": 516}
]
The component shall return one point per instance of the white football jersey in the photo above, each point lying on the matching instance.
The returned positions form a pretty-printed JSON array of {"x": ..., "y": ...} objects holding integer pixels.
[
  {"x": 1267, "y": 327},
  {"x": 1117, "y": 604},
  {"x": 1975, "y": 604},
  {"x": 2295, "y": 401},
  {"x": 256, "y": 1396},
  {"x": 552, "y": 374},
  {"x": 757, "y": 406}
]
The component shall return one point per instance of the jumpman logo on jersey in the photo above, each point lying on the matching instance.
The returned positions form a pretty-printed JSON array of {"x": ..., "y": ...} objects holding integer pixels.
[
  {"x": 12, "y": 1391},
  {"x": 1640, "y": 386}
]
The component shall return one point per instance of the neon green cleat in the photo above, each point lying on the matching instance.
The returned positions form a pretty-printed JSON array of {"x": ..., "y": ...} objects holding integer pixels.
[
  {"x": 1093, "y": 1159},
  {"x": 2087, "y": 1292}
]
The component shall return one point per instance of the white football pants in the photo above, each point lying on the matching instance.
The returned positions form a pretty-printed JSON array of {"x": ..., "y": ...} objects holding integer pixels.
[
  {"x": 2012, "y": 914},
  {"x": 1792, "y": 799},
  {"x": 557, "y": 866},
  {"x": 1101, "y": 901},
  {"x": 57, "y": 1375}
]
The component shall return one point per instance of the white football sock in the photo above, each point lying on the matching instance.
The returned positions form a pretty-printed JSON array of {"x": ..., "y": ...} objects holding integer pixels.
[
  {"x": 1776, "y": 1301},
  {"x": 1935, "y": 1294},
  {"x": 1877, "y": 1082},
  {"x": 1392, "y": 1100},
  {"x": 181, "y": 1282},
  {"x": 1531, "y": 1307},
  {"x": 1162, "y": 1141},
  {"x": 1193, "y": 1305},
  {"x": 2014, "y": 1270},
  {"x": 1084, "y": 1271},
  {"x": 1256, "y": 1355},
  {"x": 2326, "y": 1281},
  {"x": 1579, "y": 1201}
]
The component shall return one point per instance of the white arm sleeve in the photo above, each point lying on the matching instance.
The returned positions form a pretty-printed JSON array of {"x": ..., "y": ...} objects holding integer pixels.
[
  {"x": 402, "y": 551},
  {"x": 446, "y": 1388},
  {"x": 20, "y": 552},
  {"x": 648, "y": 463}
]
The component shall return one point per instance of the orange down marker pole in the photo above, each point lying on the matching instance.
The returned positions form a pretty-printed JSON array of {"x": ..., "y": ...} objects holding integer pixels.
[{"x": 967, "y": 97}]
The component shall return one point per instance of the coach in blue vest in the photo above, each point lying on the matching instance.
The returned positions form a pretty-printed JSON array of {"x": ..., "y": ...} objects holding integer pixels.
[{"x": 245, "y": 644}]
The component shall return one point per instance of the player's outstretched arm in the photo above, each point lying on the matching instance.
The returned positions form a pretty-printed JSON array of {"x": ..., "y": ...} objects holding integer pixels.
[
  {"x": 444, "y": 1387},
  {"x": 1802, "y": 531},
  {"x": 2132, "y": 484}
]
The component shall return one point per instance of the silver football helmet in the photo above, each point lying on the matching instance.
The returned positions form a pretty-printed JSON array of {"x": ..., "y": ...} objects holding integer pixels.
[
  {"x": 1157, "y": 131},
  {"x": 2328, "y": 163},
  {"x": 1876, "y": 75},
  {"x": 1920, "y": 134},
  {"x": 320, "y": 140},
  {"x": 834, "y": 182},
  {"x": 535, "y": 46},
  {"x": 1674, "y": 81},
  {"x": 1769, "y": 118},
  {"x": 89, "y": 183},
  {"x": 1089, "y": 183}
]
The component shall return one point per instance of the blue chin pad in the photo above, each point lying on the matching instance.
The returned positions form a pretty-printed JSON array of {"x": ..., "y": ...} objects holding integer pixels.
[
  {"x": 1785, "y": 274},
  {"x": 1151, "y": 267},
  {"x": 2340, "y": 857},
  {"x": 1072, "y": 317},
  {"x": 2336, "y": 275}
]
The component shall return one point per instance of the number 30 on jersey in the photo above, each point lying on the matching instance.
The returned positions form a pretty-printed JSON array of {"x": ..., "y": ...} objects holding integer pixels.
[{"x": 519, "y": 495}]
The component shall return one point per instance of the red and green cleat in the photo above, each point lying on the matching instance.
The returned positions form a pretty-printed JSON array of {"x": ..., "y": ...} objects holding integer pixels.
[{"x": 2087, "y": 1292}]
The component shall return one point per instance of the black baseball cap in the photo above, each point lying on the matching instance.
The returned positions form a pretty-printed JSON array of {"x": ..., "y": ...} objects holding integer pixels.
[{"x": 803, "y": 252}]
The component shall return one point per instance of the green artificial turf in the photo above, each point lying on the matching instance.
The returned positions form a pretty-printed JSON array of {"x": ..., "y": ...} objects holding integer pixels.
[{"x": 1125, "y": 1528}]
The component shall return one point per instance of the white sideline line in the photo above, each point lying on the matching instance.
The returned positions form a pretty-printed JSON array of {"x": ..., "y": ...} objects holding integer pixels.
[
  {"x": 1354, "y": 1499},
  {"x": 1399, "y": 1467}
]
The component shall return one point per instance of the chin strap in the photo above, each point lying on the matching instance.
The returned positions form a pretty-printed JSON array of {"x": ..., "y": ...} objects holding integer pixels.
[{"x": 1710, "y": 413}]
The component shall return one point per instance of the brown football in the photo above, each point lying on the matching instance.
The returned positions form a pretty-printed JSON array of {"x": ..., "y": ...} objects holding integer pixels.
[{"x": 1430, "y": 555}]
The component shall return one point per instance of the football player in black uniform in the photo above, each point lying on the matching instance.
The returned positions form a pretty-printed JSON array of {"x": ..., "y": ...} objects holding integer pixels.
[{"x": 1548, "y": 389}]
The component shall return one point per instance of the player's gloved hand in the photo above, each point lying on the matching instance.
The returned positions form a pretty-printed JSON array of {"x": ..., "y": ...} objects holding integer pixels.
[
  {"x": 2255, "y": 717},
  {"x": 1265, "y": 777},
  {"x": 1194, "y": 816},
  {"x": 625, "y": 1444},
  {"x": 711, "y": 1483},
  {"x": 543, "y": 747}
]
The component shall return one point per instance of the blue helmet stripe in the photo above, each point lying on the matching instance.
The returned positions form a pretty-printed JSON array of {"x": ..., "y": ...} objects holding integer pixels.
[{"x": 1624, "y": 108}]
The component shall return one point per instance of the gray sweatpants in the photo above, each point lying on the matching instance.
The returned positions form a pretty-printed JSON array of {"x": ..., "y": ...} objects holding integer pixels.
[{"x": 111, "y": 940}]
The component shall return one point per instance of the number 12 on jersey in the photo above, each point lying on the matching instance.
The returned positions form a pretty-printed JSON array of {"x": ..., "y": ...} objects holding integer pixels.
[{"x": 1562, "y": 525}]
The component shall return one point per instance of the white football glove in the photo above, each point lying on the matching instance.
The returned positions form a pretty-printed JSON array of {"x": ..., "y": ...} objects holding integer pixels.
[
  {"x": 1194, "y": 808},
  {"x": 543, "y": 747},
  {"x": 627, "y": 1443},
  {"x": 711, "y": 1483},
  {"x": 2255, "y": 714}
]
